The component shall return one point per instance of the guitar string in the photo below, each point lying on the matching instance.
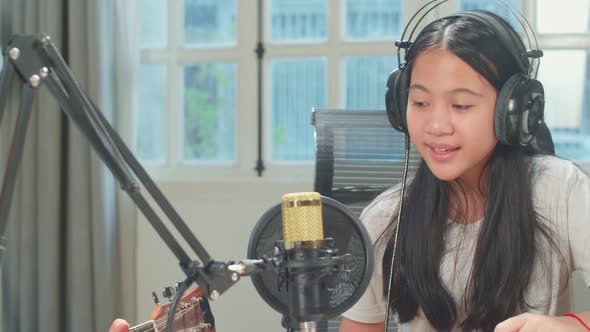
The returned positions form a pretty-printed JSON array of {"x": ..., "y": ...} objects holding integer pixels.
[
  {"x": 190, "y": 329},
  {"x": 165, "y": 319},
  {"x": 158, "y": 322}
]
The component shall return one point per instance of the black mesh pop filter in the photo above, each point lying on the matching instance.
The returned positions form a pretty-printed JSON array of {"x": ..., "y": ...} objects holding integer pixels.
[{"x": 350, "y": 237}]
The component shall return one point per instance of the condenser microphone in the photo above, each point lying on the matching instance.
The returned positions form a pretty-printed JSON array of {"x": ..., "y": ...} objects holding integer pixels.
[
  {"x": 310, "y": 258},
  {"x": 302, "y": 227},
  {"x": 303, "y": 241}
]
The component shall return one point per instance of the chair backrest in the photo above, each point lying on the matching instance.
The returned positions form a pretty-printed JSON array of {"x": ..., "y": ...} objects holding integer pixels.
[{"x": 358, "y": 156}]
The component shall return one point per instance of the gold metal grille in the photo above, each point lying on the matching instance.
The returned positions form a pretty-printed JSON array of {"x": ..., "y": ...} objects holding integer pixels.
[{"x": 302, "y": 218}]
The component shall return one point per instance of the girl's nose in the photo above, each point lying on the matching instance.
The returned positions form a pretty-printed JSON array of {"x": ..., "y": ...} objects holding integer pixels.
[{"x": 440, "y": 123}]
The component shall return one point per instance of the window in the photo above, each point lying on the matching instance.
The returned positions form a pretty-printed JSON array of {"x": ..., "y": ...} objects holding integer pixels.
[
  {"x": 187, "y": 83},
  {"x": 373, "y": 19},
  {"x": 496, "y": 7},
  {"x": 198, "y": 85},
  {"x": 365, "y": 80},
  {"x": 298, "y": 21},
  {"x": 153, "y": 24},
  {"x": 297, "y": 86},
  {"x": 208, "y": 22},
  {"x": 299, "y": 83},
  {"x": 209, "y": 104},
  {"x": 564, "y": 37},
  {"x": 573, "y": 14},
  {"x": 150, "y": 116}
]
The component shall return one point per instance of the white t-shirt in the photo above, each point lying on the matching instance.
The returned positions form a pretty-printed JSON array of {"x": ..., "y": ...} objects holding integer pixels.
[{"x": 561, "y": 194}]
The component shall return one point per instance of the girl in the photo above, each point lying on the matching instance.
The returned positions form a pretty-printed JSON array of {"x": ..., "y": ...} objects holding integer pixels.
[{"x": 490, "y": 232}]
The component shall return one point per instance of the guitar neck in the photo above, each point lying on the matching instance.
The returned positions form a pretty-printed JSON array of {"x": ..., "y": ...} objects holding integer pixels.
[
  {"x": 192, "y": 314},
  {"x": 149, "y": 326}
]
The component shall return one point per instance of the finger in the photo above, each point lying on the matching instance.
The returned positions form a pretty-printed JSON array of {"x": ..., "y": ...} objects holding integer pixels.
[
  {"x": 513, "y": 324},
  {"x": 119, "y": 325}
]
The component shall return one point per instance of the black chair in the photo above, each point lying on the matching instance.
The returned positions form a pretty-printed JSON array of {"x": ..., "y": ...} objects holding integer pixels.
[{"x": 359, "y": 155}]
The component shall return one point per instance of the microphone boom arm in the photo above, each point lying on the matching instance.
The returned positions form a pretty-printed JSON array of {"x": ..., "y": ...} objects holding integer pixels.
[{"x": 36, "y": 60}]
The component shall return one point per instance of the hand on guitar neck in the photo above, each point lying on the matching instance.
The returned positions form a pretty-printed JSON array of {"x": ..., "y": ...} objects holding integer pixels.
[{"x": 192, "y": 314}]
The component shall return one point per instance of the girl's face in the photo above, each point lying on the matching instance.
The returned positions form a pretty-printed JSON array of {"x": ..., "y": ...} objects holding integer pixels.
[{"x": 450, "y": 116}]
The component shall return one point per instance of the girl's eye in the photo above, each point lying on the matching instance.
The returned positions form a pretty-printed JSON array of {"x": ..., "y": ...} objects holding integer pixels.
[
  {"x": 462, "y": 107},
  {"x": 419, "y": 104}
]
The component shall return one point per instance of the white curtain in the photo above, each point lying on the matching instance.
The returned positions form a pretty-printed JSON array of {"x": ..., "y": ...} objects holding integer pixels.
[{"x": 70, "y": 236}]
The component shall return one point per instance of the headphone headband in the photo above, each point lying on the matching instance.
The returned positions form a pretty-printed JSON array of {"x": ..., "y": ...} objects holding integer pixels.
[
  {"x": 505, "y": 34},
  {"x": 528, "y": 66}
]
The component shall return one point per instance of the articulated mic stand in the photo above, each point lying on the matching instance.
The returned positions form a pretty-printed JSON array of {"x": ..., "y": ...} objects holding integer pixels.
[{"x": 37, "y": 61}]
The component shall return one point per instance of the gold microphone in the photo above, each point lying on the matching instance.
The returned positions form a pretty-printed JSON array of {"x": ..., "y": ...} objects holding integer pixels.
[
  {"x": 302, "y": 220},
  {"x": 302, "y": 228}
]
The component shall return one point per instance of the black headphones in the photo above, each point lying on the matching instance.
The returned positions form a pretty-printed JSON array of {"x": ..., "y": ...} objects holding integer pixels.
[{"x": 520, "y": 102}]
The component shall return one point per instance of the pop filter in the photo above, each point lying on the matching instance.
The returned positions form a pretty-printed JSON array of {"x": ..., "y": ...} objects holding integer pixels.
[{"x": 350, "y": 237}]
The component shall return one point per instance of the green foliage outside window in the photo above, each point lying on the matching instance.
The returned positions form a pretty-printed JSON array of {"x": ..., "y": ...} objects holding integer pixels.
[{"x": 204, "y": 111}]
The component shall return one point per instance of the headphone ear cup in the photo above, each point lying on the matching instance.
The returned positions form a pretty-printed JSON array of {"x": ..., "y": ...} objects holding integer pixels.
[
  {"x": 519, "y": 110},
  {"x": 506, "y": 117},
  {"x": 533, "y": 109},
  {"x": 396, "y": 99}
]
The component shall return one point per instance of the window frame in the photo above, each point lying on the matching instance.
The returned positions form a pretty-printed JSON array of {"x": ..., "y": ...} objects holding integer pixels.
[
  {"x": 174, "y": 56},
  {"x": 557, "y": 42},
  {"x": 335, "y": 50}
]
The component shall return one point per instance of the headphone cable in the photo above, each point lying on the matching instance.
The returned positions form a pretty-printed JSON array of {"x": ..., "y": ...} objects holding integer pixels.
[{"x": 399, "y": 218}]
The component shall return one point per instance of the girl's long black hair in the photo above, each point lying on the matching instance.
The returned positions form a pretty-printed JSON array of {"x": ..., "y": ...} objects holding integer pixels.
[{"x": 508, "y": 240}]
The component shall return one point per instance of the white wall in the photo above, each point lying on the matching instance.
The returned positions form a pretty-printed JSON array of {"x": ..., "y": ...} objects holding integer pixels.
[{"x": 222, "y": 216}]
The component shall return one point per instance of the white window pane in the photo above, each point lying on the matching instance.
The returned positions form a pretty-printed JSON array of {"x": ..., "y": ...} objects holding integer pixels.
[
  {"x": 209, "y": 112},
  {"x": 496, "y": 8},
  {"x": 567, "y": 101},
  {"x": 152, "y": 23},
  {"x": 150, "y": 119},
  {"x": 373, "y": 19},
  {"x": 210, "y": 22},
  {"x": 298, "y": 20},
  {"x": 564, "y": 16},
  {"x": 298, "y": 85},
  {"x": 366, "y": 81}
]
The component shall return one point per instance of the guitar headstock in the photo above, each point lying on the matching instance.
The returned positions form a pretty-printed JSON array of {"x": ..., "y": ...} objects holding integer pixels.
[{"x": 193, "y": 313}]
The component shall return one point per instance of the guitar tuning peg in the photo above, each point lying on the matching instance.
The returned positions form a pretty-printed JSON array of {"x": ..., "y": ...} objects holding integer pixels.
[
  {"x": 155, "y": 298},
  {"x": 168, "y": 292}
]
